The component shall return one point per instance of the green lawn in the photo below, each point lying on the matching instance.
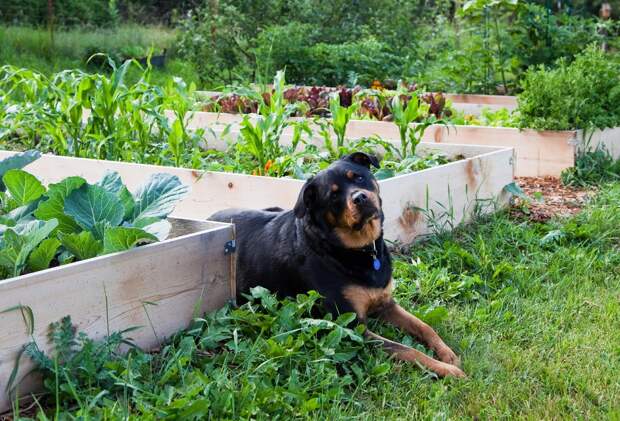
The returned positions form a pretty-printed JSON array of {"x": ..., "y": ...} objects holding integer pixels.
[{"x": 533, "y": 309}]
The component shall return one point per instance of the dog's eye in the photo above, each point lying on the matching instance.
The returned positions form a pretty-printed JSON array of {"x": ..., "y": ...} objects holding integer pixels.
[{"x": 359, "y": 178}]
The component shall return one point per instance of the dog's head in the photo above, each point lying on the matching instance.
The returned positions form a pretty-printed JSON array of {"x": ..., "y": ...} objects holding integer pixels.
[{"x": 344, "y": 199}]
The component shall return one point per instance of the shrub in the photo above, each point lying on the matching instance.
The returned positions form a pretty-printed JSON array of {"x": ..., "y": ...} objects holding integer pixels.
[
  {"x": 580, "y": 95},
  {"x": 100, "y": 13},
  {"x": 351, "y": 62},
  {"x": 285, "y": 47},
  {"x": 541, "y": 37}
]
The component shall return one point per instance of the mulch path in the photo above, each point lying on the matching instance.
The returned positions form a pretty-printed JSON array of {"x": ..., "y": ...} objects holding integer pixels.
[{"x": 548, "y": 198}]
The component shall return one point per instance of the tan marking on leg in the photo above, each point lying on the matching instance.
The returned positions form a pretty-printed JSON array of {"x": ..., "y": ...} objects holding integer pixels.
[
  {"x": 401, "y": 318},
  {"x": 405, "y": 353}
]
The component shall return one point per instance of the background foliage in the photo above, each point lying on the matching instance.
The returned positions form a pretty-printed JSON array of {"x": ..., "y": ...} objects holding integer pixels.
[{"x": 476, "y": 46}]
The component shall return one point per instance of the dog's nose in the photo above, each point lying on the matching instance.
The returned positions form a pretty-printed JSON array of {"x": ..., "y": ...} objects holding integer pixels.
[{"x": 359, "y": 198}]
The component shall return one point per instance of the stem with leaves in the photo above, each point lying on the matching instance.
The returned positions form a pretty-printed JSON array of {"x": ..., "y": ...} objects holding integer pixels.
[{"x": 412, "y": 121}]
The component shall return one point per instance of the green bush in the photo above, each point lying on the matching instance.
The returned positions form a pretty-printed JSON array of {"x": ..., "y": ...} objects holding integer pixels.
[
  {"x": 100, "y": 13},
  {"x": 353, "y": 62},
  {"x": 285, "y": 47},
  {"x": 291, "y": 47},
  {"x": 580, "y": 95},
  {"x": 542, "y": 38}
]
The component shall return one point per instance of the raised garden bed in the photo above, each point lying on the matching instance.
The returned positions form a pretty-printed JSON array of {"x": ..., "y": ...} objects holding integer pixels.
[
  {"x": 158, "y": 287},
  {"x": 538, "y": 153},
  {"x": 77, "y": 248},
  {"x": 414, "y": 204}
]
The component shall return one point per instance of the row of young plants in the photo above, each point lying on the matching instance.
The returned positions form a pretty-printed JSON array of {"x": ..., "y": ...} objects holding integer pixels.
[
  {"x": 72, "y": 220},
  {"x": 125, "y": 121},
  {"x": 576, "y": 95},
  {"x": 261, "y": 138},
  {"x": 94, "y": 116}
]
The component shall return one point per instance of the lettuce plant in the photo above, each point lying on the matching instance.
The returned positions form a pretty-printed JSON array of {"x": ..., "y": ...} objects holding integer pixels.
[{"x": 73, "y": 220}]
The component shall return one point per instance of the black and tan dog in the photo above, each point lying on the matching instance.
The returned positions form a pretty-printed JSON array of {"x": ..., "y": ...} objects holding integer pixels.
[{"x": 332, "y": 242}]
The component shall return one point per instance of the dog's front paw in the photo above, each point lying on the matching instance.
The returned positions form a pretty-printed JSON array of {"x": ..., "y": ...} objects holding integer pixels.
[
  {"x": 446, "y": 355},
  {"x": 449, "y": 370}
]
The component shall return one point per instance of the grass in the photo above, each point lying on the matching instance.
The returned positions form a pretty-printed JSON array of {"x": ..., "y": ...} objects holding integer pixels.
[
  {"x": 32, "y": 48},
  {"x": 533, "y": 309}
]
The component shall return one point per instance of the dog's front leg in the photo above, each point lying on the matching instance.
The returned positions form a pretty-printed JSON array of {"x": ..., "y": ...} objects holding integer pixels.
[
  {"x": 401, "y": 318},
  {"x": 405, "y": 353}
]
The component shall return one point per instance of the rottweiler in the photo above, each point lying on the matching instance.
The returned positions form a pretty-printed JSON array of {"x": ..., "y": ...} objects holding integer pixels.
[{"x": 332, "y": 242}]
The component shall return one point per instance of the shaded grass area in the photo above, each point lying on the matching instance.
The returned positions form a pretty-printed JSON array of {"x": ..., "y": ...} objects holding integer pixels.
[
  {"x": 32, "y": 48},
  {"x": 533, "y": 309}
]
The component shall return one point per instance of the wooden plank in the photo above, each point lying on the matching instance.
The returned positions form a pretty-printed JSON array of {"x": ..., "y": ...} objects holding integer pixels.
[
  {"x": 210, "y": 191},
  {"x": 213, "y": 191},
  {"x": 505, "y": 101},
  {"x": 538, "y": 153},
  {"x": 608, "y": 139},
  {"x": 428, "y": 201},
  {"x": 474, "y": 104},
  {"x": 184, "y": 277}
]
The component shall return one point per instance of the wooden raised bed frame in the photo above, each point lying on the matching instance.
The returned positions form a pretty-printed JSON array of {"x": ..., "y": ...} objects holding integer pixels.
[
  {"x": 159, "y": 287},
  {"x": 446, "y": 195}
]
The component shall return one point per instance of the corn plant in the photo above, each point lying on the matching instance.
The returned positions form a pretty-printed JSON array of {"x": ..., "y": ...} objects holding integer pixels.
[
  {"x": 412, "y": 120},
  {"x": 98, "y": 116},
  {"x": 340, "y": 117},
  {"x": 261, "y": 138}
]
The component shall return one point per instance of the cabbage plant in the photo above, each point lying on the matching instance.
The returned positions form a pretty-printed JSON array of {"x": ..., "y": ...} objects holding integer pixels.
[{"x": 74, "y": 220}]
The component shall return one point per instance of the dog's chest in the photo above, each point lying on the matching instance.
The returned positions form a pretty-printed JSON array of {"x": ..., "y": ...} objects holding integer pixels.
[{"x": 365, "y": 300}]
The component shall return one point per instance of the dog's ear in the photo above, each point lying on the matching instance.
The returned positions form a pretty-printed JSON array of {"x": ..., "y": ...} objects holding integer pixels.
[
  {"x": 363, "y": 159},
  {"x": 307, "y": 196}
]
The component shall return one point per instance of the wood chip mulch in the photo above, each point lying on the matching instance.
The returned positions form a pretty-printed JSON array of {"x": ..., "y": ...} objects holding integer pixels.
[{"x": 548, "y": 198}]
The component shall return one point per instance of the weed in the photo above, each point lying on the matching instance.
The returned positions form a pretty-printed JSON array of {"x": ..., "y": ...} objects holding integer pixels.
[
  {"x": 592, "y": 168},
  {"x": 266, "y": 358}
]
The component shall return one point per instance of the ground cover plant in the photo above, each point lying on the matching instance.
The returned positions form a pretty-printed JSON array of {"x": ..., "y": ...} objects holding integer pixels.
[
  {"x": 532, "y": 308},
  {"x": 73, "y": 220}
]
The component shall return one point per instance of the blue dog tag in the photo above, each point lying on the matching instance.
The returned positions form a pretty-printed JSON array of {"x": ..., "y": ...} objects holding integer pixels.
[{"x": 376, "y": 263}]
